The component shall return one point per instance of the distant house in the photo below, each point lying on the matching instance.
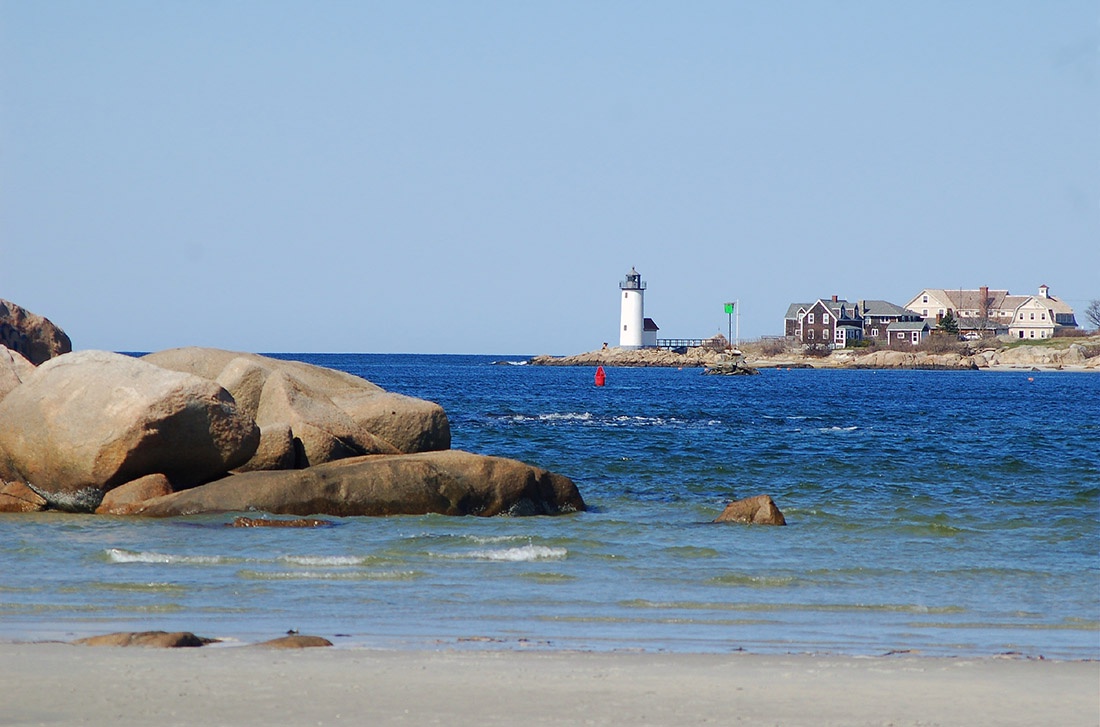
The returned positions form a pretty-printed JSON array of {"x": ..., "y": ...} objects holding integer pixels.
[
  {"x": 837, "y": 323},
  {"x": 833, "y": 322},
  {"x": 649, "y": 333},
  {"x": 995, "y": 312},
  {"x": 1040, "y": 316},
  {"x": 879, "y": 315}
]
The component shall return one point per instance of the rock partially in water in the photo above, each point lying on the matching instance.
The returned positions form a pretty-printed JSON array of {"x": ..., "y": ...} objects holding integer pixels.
[
  {"x": 148, "y": 639},
  {"x": 758, "y": 510},
  {"x": 451, "y": 482}
]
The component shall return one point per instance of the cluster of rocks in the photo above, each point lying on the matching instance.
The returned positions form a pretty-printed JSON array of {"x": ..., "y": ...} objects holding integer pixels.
[
  {"x": 196, "y": 430},
  {"x": 185, "y": 639},
  {"x": 1077, "y": 356},
  {"x": 701, "y": 356}
]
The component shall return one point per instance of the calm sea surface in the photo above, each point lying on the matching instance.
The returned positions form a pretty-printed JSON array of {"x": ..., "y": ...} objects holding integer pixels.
[{"x": 945, "y": 512}]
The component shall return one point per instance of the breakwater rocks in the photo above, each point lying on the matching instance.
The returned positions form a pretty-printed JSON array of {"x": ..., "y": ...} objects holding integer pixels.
[
  {"x": 197, "y": 430},
  {"x": 1079, "y": 356},
  {"x": 693, "y": 357}
]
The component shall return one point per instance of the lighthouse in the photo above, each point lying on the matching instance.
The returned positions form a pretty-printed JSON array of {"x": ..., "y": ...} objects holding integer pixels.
[{"x": 632, "y": 318}]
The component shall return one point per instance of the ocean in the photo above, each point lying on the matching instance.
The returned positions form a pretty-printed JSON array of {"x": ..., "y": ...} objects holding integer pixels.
[{"x": 933, "y": 512}]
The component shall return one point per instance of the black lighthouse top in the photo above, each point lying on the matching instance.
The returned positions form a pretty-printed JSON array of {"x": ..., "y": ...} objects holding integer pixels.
[{"x": 633, "y": 281}]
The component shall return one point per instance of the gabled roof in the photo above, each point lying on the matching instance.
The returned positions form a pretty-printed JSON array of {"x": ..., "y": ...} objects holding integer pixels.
[{"x": 793, "y": 308}]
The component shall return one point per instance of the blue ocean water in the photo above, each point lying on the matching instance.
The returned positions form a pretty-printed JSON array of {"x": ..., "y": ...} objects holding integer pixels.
[{"x": 941, "y": 512}]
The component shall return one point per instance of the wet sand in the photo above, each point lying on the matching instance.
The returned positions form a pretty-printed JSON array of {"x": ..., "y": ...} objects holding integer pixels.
[{"x": 54, "y": 684}]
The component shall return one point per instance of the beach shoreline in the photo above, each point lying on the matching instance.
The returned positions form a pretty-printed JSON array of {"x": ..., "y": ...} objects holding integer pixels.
[{"x": 57, "y": 683}]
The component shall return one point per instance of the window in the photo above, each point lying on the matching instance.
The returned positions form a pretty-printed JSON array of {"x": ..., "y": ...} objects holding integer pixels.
[
  {"x": 901, "y": 335},
  {"x": 810, "y": 317},
  {"x": 812, "y": 334},
  {"x": 624, "y": 326},
  {"x": 1032, "y": 316},
  {"x": 924, "y": 312},
  {"x": 1021, "y": 316},
  {"x": 916, "y": 336},
  {"x": 874, "y": 333},
  {"x": 1043, "y": 316},
  {"x": 924, "y": 299},
  {"x": 626, "y": 295},
  {"x": 1033, "y": 334}
]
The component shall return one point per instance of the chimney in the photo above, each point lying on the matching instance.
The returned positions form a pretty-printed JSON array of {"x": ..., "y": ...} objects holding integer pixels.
[{"x": 834, "y": 298}]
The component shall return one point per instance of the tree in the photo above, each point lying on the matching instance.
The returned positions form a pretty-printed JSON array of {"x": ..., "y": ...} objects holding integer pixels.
[
  {"x": 948, "y": 324},
  {"x": 1093, "y": 313}
]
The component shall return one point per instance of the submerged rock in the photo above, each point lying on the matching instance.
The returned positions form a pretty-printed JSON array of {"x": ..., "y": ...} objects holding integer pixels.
[{"x": 758, "y": 510}]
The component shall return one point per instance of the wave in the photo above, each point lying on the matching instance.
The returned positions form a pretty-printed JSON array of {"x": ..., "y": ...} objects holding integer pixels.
[
  {"x": 119, "y": 555},
  {"x": 392, "y": 575},
  {"x": 324, "y": 560},
  {"x": 521, "y": 554}
]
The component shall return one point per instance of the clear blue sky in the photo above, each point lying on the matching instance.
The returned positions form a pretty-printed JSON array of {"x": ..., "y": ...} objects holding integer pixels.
[{"x": 476, "y": 177}]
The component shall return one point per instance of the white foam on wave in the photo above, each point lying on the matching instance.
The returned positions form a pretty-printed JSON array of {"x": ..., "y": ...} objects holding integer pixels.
[
  {"x": 489, "y": 539},
  {"x": 118, "y": 555},
  {"x": 323, "y": 560},
  {"x": 521, "y": 554},
  {"x": 838, "y": 429}
]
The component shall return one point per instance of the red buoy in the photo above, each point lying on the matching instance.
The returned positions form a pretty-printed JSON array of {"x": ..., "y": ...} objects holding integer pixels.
[{"x": 601, "y": 377}]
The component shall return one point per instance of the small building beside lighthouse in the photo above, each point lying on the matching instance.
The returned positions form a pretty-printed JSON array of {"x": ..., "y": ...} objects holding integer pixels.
[{"x": 632, "y": 307}]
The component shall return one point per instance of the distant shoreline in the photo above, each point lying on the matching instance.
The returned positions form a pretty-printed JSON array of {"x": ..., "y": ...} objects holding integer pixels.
[{"x": 1069, "y": 354}]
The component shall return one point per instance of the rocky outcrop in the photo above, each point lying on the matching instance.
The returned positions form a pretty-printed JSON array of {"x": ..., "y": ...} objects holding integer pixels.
[
  {"x": 730, "y": 368},
  {"x": 148, "y": 639},
  {"x": 30, "y": 334},
  {"x": 330, "y": 414},
  {"x": 84, "y": 423},
  {"x": 640, "y": 357},
  {"x": 448, "y": 483},
  {"x": 758, "y": 510}
]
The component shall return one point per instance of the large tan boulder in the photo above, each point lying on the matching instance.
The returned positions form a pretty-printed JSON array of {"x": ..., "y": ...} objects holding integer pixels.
[
  {"x": 14, "y": 367},
  {"x": 84, "y": 423},
  {"x": 30, "y": 334},
  {"x": 449, "y": 483},
  {"x": 332, "y": 414},
  {"x": 758, "y": 510}
]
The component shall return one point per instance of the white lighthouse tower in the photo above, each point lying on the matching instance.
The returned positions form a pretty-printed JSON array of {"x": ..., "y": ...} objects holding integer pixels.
[{"x": 632, "y": 319}]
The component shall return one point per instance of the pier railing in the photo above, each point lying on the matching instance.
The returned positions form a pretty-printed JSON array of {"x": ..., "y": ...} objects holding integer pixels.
[{"x": 674, "y": 343}]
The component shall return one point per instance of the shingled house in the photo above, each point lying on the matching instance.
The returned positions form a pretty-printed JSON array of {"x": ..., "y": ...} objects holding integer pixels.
[{"x": 837, "y": 322}]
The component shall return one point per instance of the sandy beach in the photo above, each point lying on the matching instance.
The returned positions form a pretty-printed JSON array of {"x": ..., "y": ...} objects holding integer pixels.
[{"x": 53, "y": 684}]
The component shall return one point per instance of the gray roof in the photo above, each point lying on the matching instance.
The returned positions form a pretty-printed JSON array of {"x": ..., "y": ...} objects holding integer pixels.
[
  {"x": 882, "y": 308},
  {"x": 907, "y": 326},
  {"x": 793, "y": 308}
]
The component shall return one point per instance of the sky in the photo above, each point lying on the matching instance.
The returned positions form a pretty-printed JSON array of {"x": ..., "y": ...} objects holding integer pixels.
[{"x": 478, "y": 176}]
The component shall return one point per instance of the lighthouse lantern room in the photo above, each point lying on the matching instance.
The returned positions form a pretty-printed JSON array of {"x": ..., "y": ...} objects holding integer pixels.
[{"x": 632, "y": 319}]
